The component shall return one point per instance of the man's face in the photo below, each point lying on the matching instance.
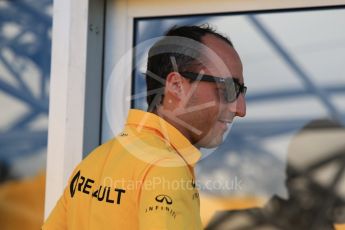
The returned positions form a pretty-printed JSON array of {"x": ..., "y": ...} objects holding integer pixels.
[{"x": 207, "y": 110}]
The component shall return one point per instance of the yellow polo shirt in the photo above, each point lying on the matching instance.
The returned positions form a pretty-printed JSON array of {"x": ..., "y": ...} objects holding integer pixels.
[{"x": 142, "y": 179}]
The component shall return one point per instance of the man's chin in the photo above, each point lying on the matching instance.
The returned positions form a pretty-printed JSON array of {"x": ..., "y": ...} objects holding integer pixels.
[{"x": 210, "y": 144}]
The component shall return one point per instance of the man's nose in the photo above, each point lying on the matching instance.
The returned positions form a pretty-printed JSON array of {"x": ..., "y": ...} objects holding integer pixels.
[{"x": 238, "y": 107}]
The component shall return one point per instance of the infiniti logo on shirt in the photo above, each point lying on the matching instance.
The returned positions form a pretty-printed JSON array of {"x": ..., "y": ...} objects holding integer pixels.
[{"x": 162, "y": 198}]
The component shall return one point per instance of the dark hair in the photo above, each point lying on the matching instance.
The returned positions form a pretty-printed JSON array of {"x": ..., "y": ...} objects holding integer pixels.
[{"x": 159, "y": 63}]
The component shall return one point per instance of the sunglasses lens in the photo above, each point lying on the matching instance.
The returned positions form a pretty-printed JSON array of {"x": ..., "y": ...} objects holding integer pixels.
[{"x": 231, "y": 90}]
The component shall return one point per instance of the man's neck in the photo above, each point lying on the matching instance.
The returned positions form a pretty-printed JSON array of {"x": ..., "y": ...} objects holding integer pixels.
[{"x": 163, "y": 114}]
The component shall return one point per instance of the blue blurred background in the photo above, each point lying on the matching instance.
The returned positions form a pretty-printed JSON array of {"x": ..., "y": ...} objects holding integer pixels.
[
  {"x": 25, "y": 54},
  {"x": 25, "y": 49}
]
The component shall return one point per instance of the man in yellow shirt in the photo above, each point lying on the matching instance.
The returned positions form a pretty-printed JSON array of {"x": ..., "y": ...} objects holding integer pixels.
[{"x": 144, "y": 177}]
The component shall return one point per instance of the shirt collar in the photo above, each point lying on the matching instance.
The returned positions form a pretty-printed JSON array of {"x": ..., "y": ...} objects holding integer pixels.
[{"x": 171, "y": 135}]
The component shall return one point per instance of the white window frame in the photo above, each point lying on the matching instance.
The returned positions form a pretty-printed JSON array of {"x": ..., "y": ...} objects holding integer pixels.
[
  {"x": 75, "y": 90},
  {"x": 77, "y": 57}
]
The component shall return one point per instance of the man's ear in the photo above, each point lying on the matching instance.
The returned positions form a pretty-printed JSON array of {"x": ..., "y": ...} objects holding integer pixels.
[{"x": 174, "y": 85}]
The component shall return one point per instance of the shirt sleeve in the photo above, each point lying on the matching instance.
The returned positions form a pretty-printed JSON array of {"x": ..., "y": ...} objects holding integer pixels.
[
  {"x": 165, "y": 200},
  {"x": 57, "y": 219}
]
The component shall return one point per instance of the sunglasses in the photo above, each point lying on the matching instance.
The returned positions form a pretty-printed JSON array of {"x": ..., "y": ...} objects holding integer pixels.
[{"x": 233, "y": 88}]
